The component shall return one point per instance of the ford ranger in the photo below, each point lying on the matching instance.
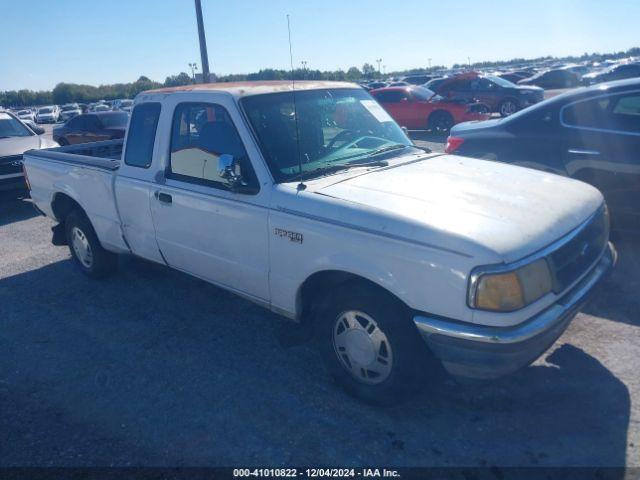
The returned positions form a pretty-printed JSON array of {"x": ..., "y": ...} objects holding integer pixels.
[{"x": 309, "y": 200}]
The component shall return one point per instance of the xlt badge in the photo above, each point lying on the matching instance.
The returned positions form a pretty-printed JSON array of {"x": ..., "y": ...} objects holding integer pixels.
[{"x": 292, "y": 236}]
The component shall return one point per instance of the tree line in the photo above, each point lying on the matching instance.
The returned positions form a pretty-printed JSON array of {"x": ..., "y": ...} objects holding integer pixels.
[{"x": 73, "y": 92}]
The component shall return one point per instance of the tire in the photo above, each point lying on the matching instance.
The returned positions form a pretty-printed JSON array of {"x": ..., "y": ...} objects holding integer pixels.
[
  {"x": 62, "y": 142},
  {"x": 369, "y": 344},
  {"x": 507, "y": 107},
  {"x": 440, "y": 121},
  {"x": 88, "y": 254}
]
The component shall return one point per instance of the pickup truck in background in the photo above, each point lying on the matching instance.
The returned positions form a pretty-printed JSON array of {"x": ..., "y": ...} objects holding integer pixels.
[{"x": 312, "y": 202}]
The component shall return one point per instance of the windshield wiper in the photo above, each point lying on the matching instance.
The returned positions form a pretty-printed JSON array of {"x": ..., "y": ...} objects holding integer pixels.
[
  {"x": 388, "y": 148},
  {"x": 323, "y": 171}
]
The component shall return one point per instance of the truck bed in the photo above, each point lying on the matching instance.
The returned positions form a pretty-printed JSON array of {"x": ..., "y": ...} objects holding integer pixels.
[
  {"x": 105, "y": 155},
  {"x": 84, "y": 174}
]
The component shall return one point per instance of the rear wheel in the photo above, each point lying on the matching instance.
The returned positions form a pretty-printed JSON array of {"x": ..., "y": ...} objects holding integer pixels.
[
  {"x": 85, "y": 247},
  {"x": 62, "y": 142},
  {"x": 440, "y": 121},
  {"x": 369, "y": 344},
  {"x": 508, "y": 107}
]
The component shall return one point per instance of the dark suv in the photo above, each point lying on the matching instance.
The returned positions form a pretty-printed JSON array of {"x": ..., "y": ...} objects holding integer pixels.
[{"x": 498, "y": 94}]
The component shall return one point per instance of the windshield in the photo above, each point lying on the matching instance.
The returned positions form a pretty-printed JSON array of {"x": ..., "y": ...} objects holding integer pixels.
[
  {"x": 335, "y": 128},
  {"x": 45, "y": 110},
  {"x": 10, "y": 127},
  {"x": 502, "y": 82},
  {"x": 24, "y": 112},
  {"x": 114, "y": 120},
  {"x": 66, "y": 108},
  {"x": 126, "y": 103},
  {"x": 422, "y": 93}
]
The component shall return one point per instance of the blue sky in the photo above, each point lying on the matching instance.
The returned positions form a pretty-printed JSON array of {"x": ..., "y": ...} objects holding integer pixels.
[{"x": 44, "y": 42}]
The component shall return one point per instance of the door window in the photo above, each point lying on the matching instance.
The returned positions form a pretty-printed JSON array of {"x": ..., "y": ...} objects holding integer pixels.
[
  {"x": 92, "y": 123},
  {"x": 142, "y": 135},
  {"x": 200, "y": 134},
  {"x": 391, "y": 96},
  {"x": 615, "y": 113},
  {"x": 75, "y": 123}
]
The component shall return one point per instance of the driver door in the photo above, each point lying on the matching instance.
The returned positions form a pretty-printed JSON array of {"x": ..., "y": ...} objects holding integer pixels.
[{"x": 202, "y": 226}]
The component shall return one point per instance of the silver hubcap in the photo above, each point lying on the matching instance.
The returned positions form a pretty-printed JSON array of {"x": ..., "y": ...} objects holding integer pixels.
[
  {"x": 508, "y": 108},
  {"x": 362, "y": 348},
  {"x": 81, "y": 247}
]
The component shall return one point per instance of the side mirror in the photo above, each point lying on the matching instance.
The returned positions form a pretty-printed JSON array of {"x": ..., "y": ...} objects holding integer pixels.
[{"x": 229, "y": 170}]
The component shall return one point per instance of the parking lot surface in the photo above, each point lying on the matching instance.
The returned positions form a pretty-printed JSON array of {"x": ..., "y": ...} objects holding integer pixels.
[{"x": 153, "y": 367}]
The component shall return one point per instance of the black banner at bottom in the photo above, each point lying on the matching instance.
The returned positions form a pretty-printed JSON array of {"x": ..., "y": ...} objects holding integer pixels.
[{"x": 398, "y": 473}]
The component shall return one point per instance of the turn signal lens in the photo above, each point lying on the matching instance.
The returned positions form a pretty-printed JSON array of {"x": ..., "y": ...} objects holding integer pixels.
[
  {"x": 501, "y": 292},
  {"x": 508, "y": 291}
]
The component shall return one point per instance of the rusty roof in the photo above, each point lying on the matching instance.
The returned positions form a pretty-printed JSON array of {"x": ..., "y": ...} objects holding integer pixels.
[{"x": 254, "y": 88}]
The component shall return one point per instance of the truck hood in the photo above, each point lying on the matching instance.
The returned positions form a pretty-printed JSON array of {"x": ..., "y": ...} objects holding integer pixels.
[{"x": 475, "y": 207}]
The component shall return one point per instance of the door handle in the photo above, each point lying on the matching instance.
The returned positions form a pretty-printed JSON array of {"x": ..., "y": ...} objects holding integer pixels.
[
  {"x": 163, "y": 197},
  {"x": 579, "y": 151}
]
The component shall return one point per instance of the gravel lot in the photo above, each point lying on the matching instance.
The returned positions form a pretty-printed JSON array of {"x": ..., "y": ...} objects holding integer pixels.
[{"x": 153, "y": 367}]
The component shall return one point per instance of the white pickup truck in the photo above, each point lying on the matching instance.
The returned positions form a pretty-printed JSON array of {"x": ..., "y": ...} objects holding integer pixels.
[{"x": 311, "y": 201}]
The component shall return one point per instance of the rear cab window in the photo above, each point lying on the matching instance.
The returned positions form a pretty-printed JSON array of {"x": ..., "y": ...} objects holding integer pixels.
[{"x": 142, "y": 135}]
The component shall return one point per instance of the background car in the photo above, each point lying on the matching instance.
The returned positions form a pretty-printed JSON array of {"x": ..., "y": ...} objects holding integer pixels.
[
  {"x": 123, "y": 104},
  {"x": 92, "y": 127},
  {"x": 99, "y": 107},
  {"x": 26, "y": 115},
  {"x": 419, "y": 108},
  {"x": 434, "y": 83},
  {"x": 591, "y": 134},
  {"x": 15, "y": 139},
  {"x": 556, "y": 78},
  {"x": 498, "y": 94},
  {"x": 374, "y": 85},
  {"x": 616, "y": 72},
  {"x": 417, "y": 79},
  {"x": 69, "y": 110},
  {"x": 48, "y": 114}
]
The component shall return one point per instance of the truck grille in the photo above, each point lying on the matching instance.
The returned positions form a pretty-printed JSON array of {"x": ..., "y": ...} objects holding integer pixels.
[
  {"x": 9, "y": 165},
  {"x": 572, "y": 259}
]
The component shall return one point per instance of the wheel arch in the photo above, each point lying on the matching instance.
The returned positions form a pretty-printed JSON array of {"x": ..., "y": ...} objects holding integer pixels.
[
  {"x": 318, "y": 285},
  {"x": 63, "y": 204}
]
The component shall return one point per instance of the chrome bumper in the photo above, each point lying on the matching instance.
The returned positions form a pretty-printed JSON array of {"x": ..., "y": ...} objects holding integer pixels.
[{"x": 487, "y": 352}]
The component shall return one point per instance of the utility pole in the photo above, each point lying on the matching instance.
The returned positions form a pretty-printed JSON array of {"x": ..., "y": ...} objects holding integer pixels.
[{"x": 203, "y": 43}]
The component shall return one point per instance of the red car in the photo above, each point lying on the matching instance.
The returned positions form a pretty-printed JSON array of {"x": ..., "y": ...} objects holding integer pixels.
[{"x": 419, "y": 108}]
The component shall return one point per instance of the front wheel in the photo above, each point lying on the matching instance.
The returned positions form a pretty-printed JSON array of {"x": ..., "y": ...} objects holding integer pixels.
[
  {"x": 369, "y": 344},
  {"x": 440, "y": 121},
  {"x": 93, "y": 260}
]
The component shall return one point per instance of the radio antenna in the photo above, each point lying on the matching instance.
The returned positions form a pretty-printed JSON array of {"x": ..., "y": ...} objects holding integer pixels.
[{"x": 301, "y": 185}]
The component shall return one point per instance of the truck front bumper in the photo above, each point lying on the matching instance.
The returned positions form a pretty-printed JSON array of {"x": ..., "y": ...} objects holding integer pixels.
[{"x": 477, "y": 351}]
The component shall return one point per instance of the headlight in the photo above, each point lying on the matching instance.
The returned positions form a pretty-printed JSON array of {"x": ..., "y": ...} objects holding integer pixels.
[{"x": 511, "y": 290}]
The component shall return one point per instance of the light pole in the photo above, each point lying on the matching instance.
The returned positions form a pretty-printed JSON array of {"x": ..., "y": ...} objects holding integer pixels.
[
  {"x": 193, "y": 67},
  {"x": 429, "y": 63},
  {"x": 203, "y": 43},
  {"x": 304, "y": 68},
  {"x": 379, "y": 60},
  {"x": 384, "y": 69},
  {"x": 469, "y": 60}
]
